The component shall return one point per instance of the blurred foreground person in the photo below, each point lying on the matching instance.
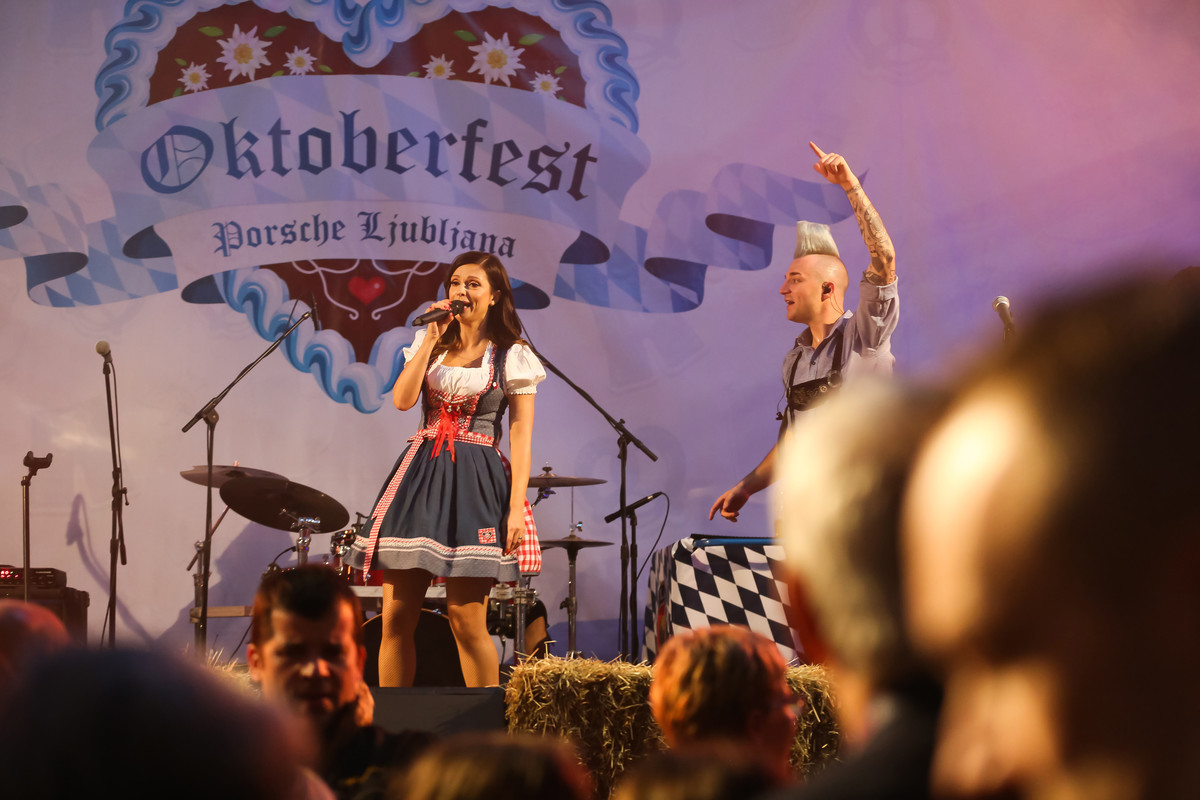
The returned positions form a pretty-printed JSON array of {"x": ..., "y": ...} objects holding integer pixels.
[
  {"x": 1053, "y": 535},
  {"x": 726, "y": 686},
  {"x": 133, "y": 724},
  {"x": 495, "y": 766},
  {"x": 840, "y": 529},
  {"x": 28, "y": 632},
  {"x": 306, "y": 651}
]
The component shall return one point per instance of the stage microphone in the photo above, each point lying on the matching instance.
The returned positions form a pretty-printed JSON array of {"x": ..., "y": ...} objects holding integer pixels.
[
  {"x": 634, "y": 506},
  {"x": 1006, "y": 313},
  {"x": 438, "y": 314},
  {"x": 103, "y": 349},
  {"x": 35, "y": 463},
  {"x": 315, "y": 319},
  {"x": 1001, "y": 307}
]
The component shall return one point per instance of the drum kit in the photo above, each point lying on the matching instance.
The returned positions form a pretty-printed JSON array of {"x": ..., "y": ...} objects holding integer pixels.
[{"x": 271, "y": 500}]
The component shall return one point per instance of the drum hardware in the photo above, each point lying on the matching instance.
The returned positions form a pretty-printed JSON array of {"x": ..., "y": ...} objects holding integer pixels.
[
  {"x": 505, "y": 601},
  {"x": 208, "y": 413},
  {"x": 572, "y": 544},
  {"x": 223, "y": 474},
  {"x": 548, "y": 481},
  {"x": 284, "y": 505},
  {"x": 281, "y": 504}
]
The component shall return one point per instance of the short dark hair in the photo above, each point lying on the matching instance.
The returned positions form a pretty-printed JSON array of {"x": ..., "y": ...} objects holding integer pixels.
[{"x": 311, "y": 591}]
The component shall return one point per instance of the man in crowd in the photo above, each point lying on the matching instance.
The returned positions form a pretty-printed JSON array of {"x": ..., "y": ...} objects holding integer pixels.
[
  {"x": 726, "y": 686},
  {"x": 839, "y": 526},
  {"x": 835, "y": 342},
  {"x": 306, "y": 650},
  {"x": 1051, "y": 531}
]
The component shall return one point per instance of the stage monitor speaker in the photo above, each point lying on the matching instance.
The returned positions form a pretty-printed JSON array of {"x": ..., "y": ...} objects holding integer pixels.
[
  {"x": 69, "y": 605},
  {"x": 444, "y": 711}
]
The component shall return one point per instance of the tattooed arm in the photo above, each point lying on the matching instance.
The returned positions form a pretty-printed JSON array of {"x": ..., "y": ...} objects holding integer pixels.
[{"x": 883, "y": 256}]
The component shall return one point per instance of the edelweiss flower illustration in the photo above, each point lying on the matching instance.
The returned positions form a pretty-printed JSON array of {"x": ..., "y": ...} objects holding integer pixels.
[
  {"x": 243, "y": 53},
  {"x": 496, "y": 60},
  {"x": 194, "y": 78},
  {"x": 300, "y": 61},
  {"x": 439, "y": 67},
  {"x": 545, "y": 83}
]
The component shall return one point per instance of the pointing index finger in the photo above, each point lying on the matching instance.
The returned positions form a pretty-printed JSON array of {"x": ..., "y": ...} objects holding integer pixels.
[{"x": 816, "y": 150}]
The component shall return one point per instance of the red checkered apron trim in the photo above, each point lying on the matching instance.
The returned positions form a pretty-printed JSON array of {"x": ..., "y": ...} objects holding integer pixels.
[{"x": 529, "y": 551}]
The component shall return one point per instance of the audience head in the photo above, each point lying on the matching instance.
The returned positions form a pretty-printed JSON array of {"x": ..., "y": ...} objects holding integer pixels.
[
  {"x": 725, "y": 684},
  {"x": 703, "y": 773},
  {"x": 135, "y": 724},
  {"x": 27, "y": 632},
  {"x": 306, "y": 645},
  {"x": 839, "y": 526},
  {"x": 1051, "y": 533},
  {"x": 496, "y": 766}
]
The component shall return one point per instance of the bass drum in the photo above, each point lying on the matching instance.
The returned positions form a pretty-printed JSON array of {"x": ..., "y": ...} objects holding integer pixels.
[{"x": 437, "y": 652}]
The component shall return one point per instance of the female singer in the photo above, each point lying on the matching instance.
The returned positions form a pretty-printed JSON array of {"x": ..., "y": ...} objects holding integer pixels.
[{"x": 449, "y": 507}]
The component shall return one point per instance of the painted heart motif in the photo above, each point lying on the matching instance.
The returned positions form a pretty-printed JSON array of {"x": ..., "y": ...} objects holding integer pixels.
[{"x": 366, "y": 290}]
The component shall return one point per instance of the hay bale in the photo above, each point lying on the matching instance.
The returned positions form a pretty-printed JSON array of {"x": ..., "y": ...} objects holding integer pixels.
[
  {"x": 817, "y": 736},
  {"x": 600, "y": 707},
  {"x": 603, "y": 709}
]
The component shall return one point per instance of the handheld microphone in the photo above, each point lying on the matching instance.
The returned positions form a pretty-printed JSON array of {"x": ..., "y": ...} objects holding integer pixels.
[
  {"x": 103, "y": 349},
  {"x": 438, "y": 314},
  {"x": 634, "y": 506}
]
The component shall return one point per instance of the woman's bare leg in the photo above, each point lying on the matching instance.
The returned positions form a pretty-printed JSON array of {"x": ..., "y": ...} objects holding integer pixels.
[
  {"x": 466, "y": 604},
  {"x": 403, "y": 596}
]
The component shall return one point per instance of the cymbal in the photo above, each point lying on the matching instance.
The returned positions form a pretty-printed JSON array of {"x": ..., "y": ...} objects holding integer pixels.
[
  {"x": 277, "y": 502},
  {"x": 572, "y": 541},
  {"x": 223, "y": 474},
  {"x": 550, "y": 480}
]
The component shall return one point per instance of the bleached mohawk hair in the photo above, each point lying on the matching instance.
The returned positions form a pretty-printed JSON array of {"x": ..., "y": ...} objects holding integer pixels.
[{"x": 813, "y": 237}]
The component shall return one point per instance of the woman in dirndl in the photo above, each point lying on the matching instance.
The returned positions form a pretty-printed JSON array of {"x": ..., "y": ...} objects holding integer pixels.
[{"x": 452, "y": 506}]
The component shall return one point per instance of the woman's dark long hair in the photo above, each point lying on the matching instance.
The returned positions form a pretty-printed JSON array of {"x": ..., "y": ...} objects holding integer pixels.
[{"x": 501, "y": 326}]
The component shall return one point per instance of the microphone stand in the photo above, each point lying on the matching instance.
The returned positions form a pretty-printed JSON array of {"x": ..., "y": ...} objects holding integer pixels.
[
  {"x": 116, "y": 546},
  {"x": 628, "y": 542},
  {"x": 34, "y": 464},
  {"x": 208, "y": 413}
]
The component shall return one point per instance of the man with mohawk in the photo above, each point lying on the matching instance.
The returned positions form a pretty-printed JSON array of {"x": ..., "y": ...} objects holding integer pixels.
[{"x": 835, "y": 342}]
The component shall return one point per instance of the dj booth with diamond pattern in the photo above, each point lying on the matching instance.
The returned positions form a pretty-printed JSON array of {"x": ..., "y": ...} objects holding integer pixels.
[{"x": 698, "y": 582}]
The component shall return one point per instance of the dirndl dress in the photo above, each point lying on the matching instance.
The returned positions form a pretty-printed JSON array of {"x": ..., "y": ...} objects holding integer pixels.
[{"x": 444, "y": 506}]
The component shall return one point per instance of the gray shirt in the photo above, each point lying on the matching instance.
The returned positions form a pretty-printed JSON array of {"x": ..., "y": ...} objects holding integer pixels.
[{"x": 867, "y": 343}]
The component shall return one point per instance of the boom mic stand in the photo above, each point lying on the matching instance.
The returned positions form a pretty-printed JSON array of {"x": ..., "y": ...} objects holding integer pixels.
[
  {"x": 33, "y": 464},
  {"x": 208, "y": 413},
  {"x": 628, "y": 543}
]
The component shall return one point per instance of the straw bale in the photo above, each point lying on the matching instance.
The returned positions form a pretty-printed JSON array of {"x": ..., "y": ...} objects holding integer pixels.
[
  {"x": 600, "y": 707},
  {"x": 603, "y": 709}
]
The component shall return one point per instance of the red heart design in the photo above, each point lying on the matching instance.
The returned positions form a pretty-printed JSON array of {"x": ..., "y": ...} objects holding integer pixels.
[{"x": 366, "y": 289}]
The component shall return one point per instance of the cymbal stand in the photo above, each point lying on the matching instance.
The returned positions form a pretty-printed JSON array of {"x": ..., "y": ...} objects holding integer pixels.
[
  {"x": 198, "y": 578},
  {"x": 628, "y": 649},
  {"x": 571, "y": 601},
  {"x": 208, "y": 413}
]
